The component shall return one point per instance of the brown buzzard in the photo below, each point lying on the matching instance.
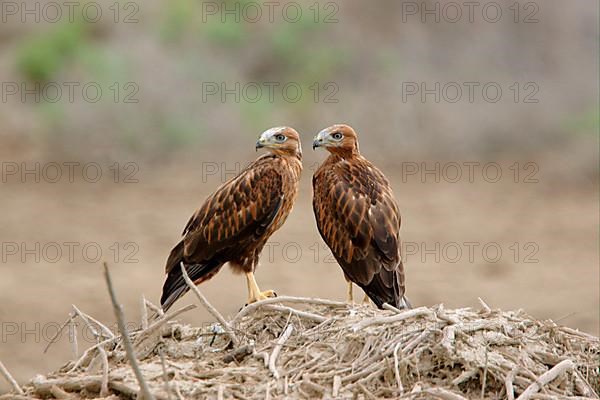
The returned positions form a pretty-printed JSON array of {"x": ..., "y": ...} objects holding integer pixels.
[
  {"x": 359, "y": 218},
  {"x": 235, "y": 222}
]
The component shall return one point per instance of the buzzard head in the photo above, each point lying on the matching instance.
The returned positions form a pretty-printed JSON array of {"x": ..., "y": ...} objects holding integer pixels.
[
  {"x": 282, "y": 140},
  {"x": 338, "y": 139}
]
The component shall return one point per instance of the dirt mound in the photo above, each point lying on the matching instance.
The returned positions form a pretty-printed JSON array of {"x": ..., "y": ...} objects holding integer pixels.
[{"x": 325, "y": 349}]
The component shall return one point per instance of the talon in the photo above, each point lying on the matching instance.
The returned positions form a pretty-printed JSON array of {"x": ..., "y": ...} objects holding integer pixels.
[
  {"x": 254, "y": 293},
  {"x": 268, "y": 293}
]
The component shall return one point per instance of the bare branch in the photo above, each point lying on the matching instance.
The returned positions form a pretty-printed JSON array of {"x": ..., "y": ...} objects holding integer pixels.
[
  {"x": 280, "y": 342},
  {"x": 546, "y": 377},
  {"x": 421, "y": 311},
  {"x": 10, "y": 379},
  {"x": 285, "y": 299},
  {"x": 126, "y": 339},
  {"x": 209, "y": 307}
]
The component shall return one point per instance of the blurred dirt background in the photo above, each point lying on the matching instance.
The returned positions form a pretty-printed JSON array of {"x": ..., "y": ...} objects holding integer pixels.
[{"x": 160, "y": 156}]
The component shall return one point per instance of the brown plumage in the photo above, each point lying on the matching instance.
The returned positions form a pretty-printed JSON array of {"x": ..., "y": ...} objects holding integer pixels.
[
  {"x": 235, "y": 222},
  {"x": 359, "y": 218}
]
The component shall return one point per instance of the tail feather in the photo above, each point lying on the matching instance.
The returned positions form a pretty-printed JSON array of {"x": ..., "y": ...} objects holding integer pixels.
[
  {"x": 381, "y": 293},
  {"x": 175, "y": 287}
]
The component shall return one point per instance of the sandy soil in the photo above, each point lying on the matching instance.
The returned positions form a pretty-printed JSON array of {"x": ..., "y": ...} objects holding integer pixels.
[{"x": 548, "y": 235}]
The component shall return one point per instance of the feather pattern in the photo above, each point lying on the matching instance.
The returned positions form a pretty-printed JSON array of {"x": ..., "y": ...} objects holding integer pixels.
[
  {"x": 359, "y": 219},
  {"x": 235, "y": 222}
]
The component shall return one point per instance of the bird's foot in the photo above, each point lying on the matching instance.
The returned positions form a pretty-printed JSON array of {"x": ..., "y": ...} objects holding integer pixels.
[
  {"x": 268, "y": 293},
  {"x": 262, "y": 296}
]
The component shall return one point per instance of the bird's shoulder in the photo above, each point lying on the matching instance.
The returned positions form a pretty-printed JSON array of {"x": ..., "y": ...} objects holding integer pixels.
[
  {"x": 253, "y": 191},
  {"x": 356, "y": 174}
]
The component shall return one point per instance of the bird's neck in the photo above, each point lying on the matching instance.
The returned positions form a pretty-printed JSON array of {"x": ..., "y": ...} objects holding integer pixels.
[
  {"x": 343, "y": 153},
  {"x": 295, "y": 163}
]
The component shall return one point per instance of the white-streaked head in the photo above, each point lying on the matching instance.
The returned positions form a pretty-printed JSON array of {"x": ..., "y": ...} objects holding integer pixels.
[
  {"x": 339, "y": 138},
  {"x": 280, "y": 140}
]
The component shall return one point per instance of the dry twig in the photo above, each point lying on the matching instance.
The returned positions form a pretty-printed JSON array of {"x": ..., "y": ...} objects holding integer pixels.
[
  {"x": 126, "y": 339},
  {"x": 209, "y": 307},
  {"x": 545, "y": 378},
  {"x": 280, "y": 342},
  {"x": 10, "y": 379}
]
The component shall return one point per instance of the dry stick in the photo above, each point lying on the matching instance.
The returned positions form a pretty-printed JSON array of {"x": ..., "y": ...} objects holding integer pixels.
[
  {"x": 397, "y": 369},
  {"x": 548, "y": 376},
  {"x": 443, "y": 315},
  {"x": 209, "y": 306},
  {"x": 92, "y": 383},
  {"x": 92, "y": 365},
  {"x": 104, "y": 386},
  {"x": 508, "y": 383},
  {"x": 286, "y": 299},
  {"x": 362, "y": 373},
  {"x": 306, "y": 366},
  {"x": 143, "y": 335},
  {"x": 280, "y": 342},
  {"x": 58, "y": 333},
  {"x": 366, "y": 391},
  {"x": 337, "y": 384},
  {"x": 58, "y": 393},
  {"x": 144, "y": 313},
  {"x": 444, "y": 394},
  {"x": 178, "y": 392},
  {"x": 313, "y": 386},
  {"x": 10, "y": 379},
  {"x": 465, "y": 376},
  {"x": 575, "y": 332},
  {"x": 87, "y": 352},
  {"x": 484, "y": 305},
  {"x": 73, "y": 339},
  {"x": 583, "y": 385},
  {"x": 485, "y": 372},
  {"x": 416, "y": 341},
  {"x": 159, "y": 311},
  {"x": 303, "y": 314},
  {"x": 394, "y": 318},
  {"x": 107, "y": 332},
  {"x": 86, "y": 322},
  {"x": 540, "y": 396},
  {"x": 163, "y": 364},
  {"x": 126, "y": 339},
  {"x": 448, "y": 337},
  {"x": 391, "y": 308}
]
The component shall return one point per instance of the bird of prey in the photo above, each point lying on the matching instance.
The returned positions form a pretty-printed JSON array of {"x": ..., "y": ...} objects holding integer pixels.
[
  {"x": 358, "y": 218},
  {"x": 235, "y": 222}
]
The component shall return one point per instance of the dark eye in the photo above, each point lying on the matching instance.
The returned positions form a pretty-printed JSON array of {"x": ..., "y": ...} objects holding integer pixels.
[
  {"x": 337, "y": 136},
  {"x": 280, "y": 138}
]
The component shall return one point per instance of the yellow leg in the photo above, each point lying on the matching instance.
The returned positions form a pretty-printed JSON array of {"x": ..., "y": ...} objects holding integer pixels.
[
  {"x": 350, "y": 298},
  {"x": 366, "y": 300},
  {"x": 254, "y": 293}
]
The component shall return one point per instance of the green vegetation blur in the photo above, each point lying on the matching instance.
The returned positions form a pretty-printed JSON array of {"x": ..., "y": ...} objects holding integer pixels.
[{"x": 164, "y": 58}]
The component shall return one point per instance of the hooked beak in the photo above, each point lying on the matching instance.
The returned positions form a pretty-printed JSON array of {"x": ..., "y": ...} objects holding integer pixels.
[
  {"x": 260, "y": 143},
  {"x": 316, "y": 143},
  {"x": 319, "y": 140}
]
